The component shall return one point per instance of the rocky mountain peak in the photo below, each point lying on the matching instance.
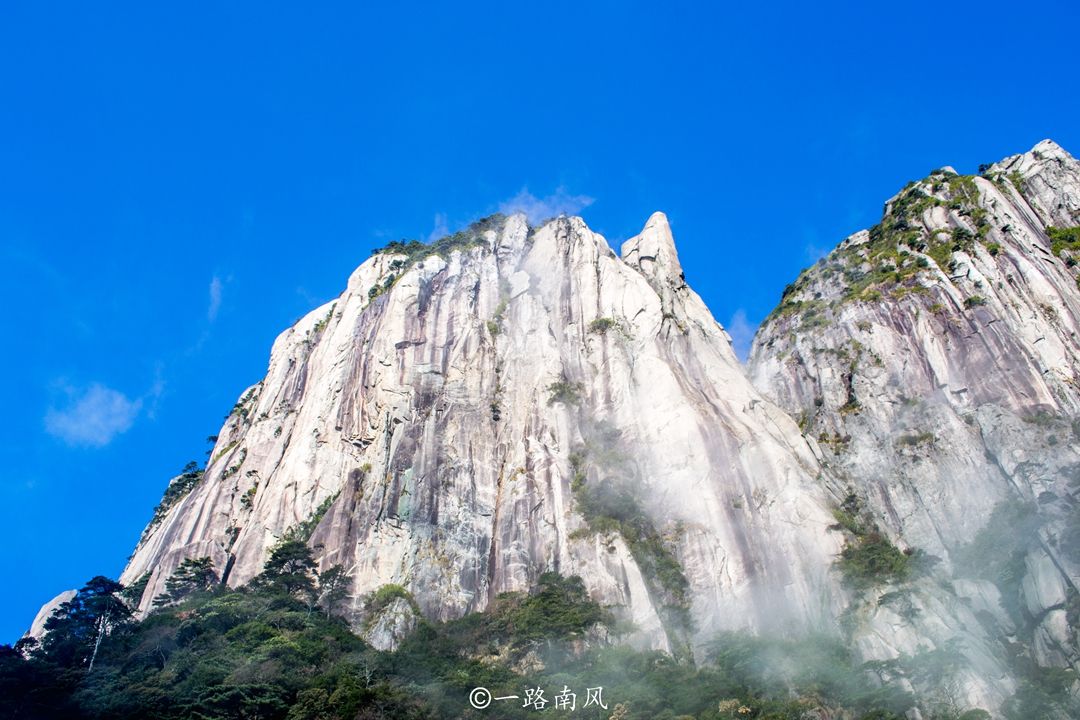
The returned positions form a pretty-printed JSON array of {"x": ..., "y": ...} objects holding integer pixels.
[
  {"x": 506, "y": 401},
  {"x": 896, "y": 468},
  {"x": 933, "y": 362},
  {"x": 653, "y": 253}
]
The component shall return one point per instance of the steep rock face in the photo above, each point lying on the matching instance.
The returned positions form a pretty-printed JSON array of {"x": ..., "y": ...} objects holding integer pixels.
[
  {"x": 391, "y": 625},
  {"x": 458, "y": 423},
  {"x": 37, "y": 628},
  {"x": 933, "y": 361}
]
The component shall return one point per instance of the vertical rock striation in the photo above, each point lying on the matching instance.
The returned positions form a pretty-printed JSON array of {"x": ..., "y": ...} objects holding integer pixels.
[
  {"x": 524, "y": 400},
  {"x": 933, "y": 360},
  {"x": 514, "y": 400}
]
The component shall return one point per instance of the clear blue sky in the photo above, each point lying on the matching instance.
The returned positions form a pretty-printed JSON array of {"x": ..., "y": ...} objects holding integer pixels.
[{"x": 178, "y": 185}]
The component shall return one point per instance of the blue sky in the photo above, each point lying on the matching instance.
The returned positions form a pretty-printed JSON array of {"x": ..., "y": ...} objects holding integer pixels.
[{"x": 177, "y": 185}]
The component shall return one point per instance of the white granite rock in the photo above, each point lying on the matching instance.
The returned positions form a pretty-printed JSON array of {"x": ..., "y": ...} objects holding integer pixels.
[
  {"x": 430, "y": 425},
  {"x": 423, "y": 418},
  {"x": 37, "y": 628},
  {"x": 940, "y": 398}
]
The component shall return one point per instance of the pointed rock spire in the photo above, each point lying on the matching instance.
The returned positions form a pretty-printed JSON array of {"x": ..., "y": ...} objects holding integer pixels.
[{"x": 652, "y": 252}]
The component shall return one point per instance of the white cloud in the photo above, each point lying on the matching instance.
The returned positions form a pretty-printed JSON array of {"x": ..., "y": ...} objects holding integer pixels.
[
  {"x": 537, "y": 209},
  {"x": 92, "y": 418},
  {"x": 153, "y": 395},
  {"x": 742, "y": 332},
  {"x": 215, "y": 299},
  {"x": 440, "y": 229}
]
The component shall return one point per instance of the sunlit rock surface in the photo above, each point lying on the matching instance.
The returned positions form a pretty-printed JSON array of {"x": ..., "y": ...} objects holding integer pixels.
[
  {"x": 933, "y": 361},
  {"x": 391, "y": 625},
  {"x": 428, "y": 434},
  {"x": 442, "y": 425},
  {"x": 37, "y": 628}
]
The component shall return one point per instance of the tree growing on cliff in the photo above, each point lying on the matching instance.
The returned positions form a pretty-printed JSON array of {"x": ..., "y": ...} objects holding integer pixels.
[
  {"x": 193, "y": 575},
  {"x": 290, "y": 570}
]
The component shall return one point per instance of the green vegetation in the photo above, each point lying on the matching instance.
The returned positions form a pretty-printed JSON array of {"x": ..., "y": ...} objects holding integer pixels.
[
  {"x": 872, "y": 559},
  {"x": 385, "y": 595},
  {"x": 321, "y": 325},
  {"x": 178, "y": 489},
  {"x": 915, "y": 439},
  {"x": 998, "y": 550},
  {"x": 868, "y": 558},
  {"x": 895, "y": 252},
  {"x": 835, "y": 441},
  {"x": 289, "y": 572},
  {"x": 565, "y": 392},
  {"x": 225, "y": 451},
  {"x": 261, "y": 652},
  {"x": 494, "y": 325},
  {"x": 998, "y": 553},
  {"x": 1064, "y": 239},
  {"x": 235, "y": 467},
  {"x": 193, "y": 575},
  {"x": 1042, "y": 693},
  {"x": 306, "y": 529},
  {"x": 559, "y": 608},
  {"x": 974, "y": 301},
  {"x": 613, "y": 506},
  {"x": 241, "y": 408},
  {"x": 247, "y": 500},
  {"x": 602, "y": 325},
  {"x": 414, "y": 250},
  {"x": 379, "y": 288}
]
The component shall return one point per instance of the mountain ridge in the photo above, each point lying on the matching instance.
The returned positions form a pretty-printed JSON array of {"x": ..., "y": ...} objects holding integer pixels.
[{"x": 512, "y": 400}]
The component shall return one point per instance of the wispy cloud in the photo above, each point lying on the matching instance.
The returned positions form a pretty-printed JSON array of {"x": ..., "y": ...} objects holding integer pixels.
[
  {"x": 152, "y": 396},
  {"x": 561, "y": 202},
  {"x": 212, "y": 309},
  {"x": 742, "y": 332},
  {"x": 440, "y": 229},
  {"x": 92, "y": 417}
]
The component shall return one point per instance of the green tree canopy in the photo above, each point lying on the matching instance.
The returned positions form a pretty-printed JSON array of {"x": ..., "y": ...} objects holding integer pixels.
[
  {"x": 77, "y": 626},
  {"x": 193, "y": 575},
  {"x": 290, "y": 569}
]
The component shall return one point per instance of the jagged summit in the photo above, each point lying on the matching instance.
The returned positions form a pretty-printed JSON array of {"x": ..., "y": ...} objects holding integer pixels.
[
  {"x": 460, "y": 419},
  {"x": 1043, "y": 152},
  {"x": 933, "y": 224},
  {"x": 933, "y": 362},
  {"x": 653, "y": 250},
  {"x": 896, "y": 466}
]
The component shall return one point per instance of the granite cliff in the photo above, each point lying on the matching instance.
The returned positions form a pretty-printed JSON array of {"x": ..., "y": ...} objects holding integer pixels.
[
  {"x": 932, "y": 363},
  {"x": 897, "y": 465},
  {"x": 463, "y": 418}
]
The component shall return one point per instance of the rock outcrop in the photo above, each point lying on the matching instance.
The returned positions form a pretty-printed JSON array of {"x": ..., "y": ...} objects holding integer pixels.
[
  {"x": 523, "y": 400},
  {"x": 933, "y": 361},
  {"x": 514, "y": 400},
  {"x": 37, "y": 628}
]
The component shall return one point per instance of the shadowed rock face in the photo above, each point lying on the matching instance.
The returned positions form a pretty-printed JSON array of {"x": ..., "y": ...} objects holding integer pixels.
[
  {"x": 943, "y": 387},
  {"x": 438, "y": 435}
]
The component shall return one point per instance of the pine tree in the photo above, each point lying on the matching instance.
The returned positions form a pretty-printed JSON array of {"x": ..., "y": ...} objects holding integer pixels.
[
  {"x": 333, "y": 589},
  {"x": 290, "y": 570},
  {"x": 74, "y": 632},
  {"x": 193, "y": 575}
]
